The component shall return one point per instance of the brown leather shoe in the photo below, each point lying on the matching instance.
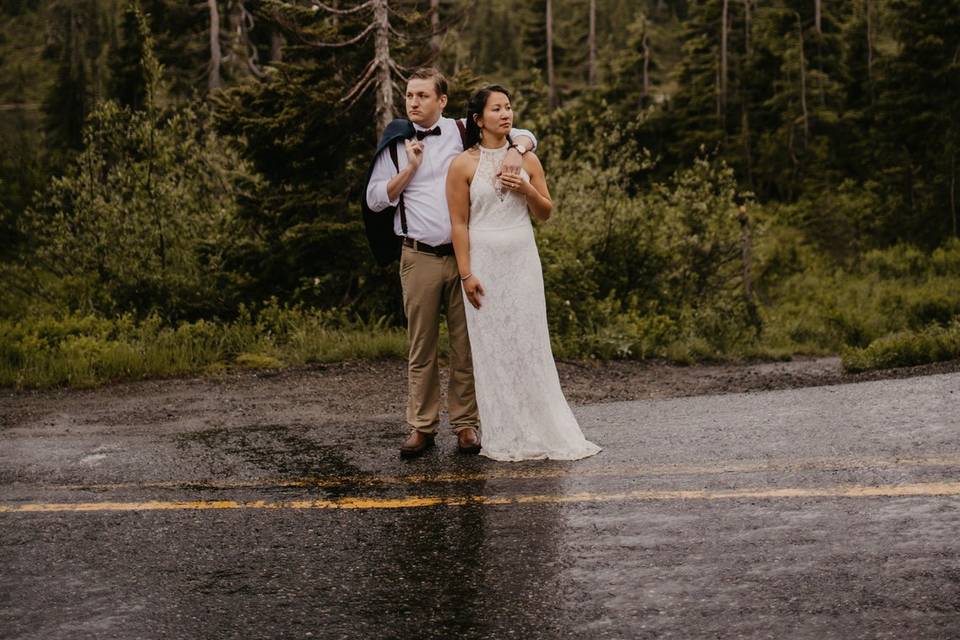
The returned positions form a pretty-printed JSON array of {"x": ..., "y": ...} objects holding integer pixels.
[
  {"x": 416, "y": 443},
  {"x": 468, "y": 440}
]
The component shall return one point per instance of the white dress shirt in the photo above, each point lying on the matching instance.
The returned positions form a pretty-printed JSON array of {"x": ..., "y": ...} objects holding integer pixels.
[{"x": 425, "y": 196}]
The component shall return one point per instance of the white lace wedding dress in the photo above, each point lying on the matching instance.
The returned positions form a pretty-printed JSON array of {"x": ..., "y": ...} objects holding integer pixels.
[{"x": 523, "y": 413}]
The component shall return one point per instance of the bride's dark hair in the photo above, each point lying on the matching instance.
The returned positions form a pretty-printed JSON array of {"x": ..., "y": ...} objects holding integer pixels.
[{"x": 475, "y": 106}]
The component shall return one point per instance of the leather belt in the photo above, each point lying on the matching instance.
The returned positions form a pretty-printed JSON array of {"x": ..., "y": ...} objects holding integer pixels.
[{"x": 441, "y": 250}]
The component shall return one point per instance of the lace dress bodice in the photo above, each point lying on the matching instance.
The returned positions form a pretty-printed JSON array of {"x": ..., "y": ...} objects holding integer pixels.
[{"x": 491, "y": 206}]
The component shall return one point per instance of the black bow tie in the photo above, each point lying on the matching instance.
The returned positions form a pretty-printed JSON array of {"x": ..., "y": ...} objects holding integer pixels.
[{"x": 431, "y": 132}]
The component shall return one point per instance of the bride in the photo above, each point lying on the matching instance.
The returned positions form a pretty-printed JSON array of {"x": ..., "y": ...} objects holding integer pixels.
[{"x": 523, "y": 413}]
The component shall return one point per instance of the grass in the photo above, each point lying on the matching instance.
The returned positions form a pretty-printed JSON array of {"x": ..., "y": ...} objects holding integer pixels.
[
  {"x": 896, "y": 307},
  {"x": 87, "y": 351},
  {"x": 906, "y": 348}
]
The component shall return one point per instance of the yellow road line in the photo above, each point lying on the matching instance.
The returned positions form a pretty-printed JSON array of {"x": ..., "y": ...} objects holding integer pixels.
[
  {"x": 849, "y": 491},
  {"x": 821, "y": 464}
]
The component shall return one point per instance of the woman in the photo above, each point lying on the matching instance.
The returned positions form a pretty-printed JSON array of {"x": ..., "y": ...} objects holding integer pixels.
[{"x": 523, "y": 413}]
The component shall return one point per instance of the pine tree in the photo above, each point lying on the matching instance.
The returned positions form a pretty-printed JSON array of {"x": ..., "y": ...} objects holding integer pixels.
[
  {"x": 135, "y": 72},
  {"x": 918, "y": 117},
  {"x": 181, "y": 44},
  {"x": 76, "y": 89},
  {"x": 312, "y": 127},
  {"x": 635, "y": 71},
  {"x": 695, "y": 112}
]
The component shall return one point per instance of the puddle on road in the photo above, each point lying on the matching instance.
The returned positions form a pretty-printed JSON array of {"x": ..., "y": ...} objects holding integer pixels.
[{"x": 281, "y": 449}]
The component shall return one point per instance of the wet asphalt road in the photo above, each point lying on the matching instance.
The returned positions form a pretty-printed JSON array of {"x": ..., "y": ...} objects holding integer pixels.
[{"x": 827, "y": 512}]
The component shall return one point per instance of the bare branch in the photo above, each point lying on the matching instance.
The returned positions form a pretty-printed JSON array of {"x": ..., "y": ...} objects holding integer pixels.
[
  {"x": 346, "y": 43},
  {"x": 358, "y": 92},
  {"x": 399, "y": 68},
  {"x": 365, "y": 78},
  {"x": 254, "y": 69},
  {"x": 216, "y": 59},
  {"x": 393, "y": 65},
  {"x": 342, "y": 12}
]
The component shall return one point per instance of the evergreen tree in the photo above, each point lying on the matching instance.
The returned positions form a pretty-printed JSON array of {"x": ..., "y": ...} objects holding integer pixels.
[
  {"x": 78, "y": 44},
  {"x": 135, "y": 72},
  {"x": 181, "y": 44},
  {"x": 142, "y": 217},
  {"x": 636, "y": 74},
  {"x": 312, "y": 129},
  {"x": 918, "y": 118},
  {"x": 694, "y": 112}
]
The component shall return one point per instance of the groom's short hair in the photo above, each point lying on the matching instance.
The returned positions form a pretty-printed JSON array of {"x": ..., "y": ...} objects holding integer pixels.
[{"x": 431, "y": 73}]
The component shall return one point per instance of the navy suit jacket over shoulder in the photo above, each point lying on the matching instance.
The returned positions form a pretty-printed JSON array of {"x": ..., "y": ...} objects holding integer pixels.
[{"x": 384, "y": 243}]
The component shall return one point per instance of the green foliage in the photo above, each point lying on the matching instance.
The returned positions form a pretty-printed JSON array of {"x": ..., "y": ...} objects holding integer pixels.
[
  {"x": 142, "y": 218},
  {"x": 817, "y": 307},
  {"x": 89, "y": 350},
  {"x": 917, "y": 119},
  {"x": 836, "y": 143},
  {"x": 78, "y": 44},
  {"x": 305, "y": 240},
  {"x": 135, "y": 72},
  {"x": 635, "y": 275},
  {"x": 906, "y": 348}
]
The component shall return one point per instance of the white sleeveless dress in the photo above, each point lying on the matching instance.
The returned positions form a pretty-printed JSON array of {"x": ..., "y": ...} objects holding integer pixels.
[{"x": 523, "y": 413}]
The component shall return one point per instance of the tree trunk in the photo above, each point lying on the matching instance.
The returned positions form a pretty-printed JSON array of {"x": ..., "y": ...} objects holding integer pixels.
[
  {"x": 913, "y": 189},
  {"x": 746, "y": 22},
  {"x": 242, "y": 55},
  {"x": 384, "y": 112},
  {"x": 744, "y": 105},
  {"x": 645, "y": 45},
  {"x": 725, "y": 16},
  {"x": 235, "y": 52},
  {"x": 819, "y": 40},
  {"x": 953, "y": 193},
  {"x": 213, "y": 73},
  {"x": 434, "y": 28},
  {"x": 803, "y": 86},
  {"x": 745, "y": 134},
  {"x": 869, "y": 8},
  {"x": 592, "y": 72},
  {"x": 717, "y": 83},
  {"x": 551, "y": 80},
  {"x": 747, "y": 264},
  {"x": 277, "y": 42}
]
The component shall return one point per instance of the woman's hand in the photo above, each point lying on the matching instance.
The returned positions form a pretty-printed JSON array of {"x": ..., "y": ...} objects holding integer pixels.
[
  {"x": 473, "y": 289},
  {"x": 515, "y": 182}
]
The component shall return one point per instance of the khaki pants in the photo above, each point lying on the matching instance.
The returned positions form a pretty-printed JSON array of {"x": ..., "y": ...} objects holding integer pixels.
[{"x": 429, "y": 283}]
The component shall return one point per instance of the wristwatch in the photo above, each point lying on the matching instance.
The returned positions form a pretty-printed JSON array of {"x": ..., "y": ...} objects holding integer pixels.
[{"x": 519, "y": 147}]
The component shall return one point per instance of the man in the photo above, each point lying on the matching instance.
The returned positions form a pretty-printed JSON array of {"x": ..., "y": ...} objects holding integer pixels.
[{"x": 416, "y": 187}]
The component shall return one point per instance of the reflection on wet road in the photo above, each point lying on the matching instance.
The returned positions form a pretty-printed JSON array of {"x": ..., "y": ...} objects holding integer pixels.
[{"x": 817, "y": 513}]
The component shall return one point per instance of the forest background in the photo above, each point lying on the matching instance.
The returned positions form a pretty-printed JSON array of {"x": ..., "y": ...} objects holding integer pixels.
[{"x": 180, "y": 179}]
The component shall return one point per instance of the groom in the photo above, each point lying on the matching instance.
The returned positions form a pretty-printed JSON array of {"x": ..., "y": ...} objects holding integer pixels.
[{"x": 406, "y": 207}]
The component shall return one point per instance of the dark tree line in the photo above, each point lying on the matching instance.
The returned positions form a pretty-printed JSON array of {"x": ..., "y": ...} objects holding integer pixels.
[{"x": 845, "y": 112}]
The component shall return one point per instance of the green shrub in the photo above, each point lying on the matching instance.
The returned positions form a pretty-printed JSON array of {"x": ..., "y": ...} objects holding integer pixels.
[
  {"x": 818, "y": 306},
  {"x": 87, "y": 350},
  {"x": 906, "y": 348},
  {"x": 142, "y": 217},
  {"x": 633, "y": 275}
]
